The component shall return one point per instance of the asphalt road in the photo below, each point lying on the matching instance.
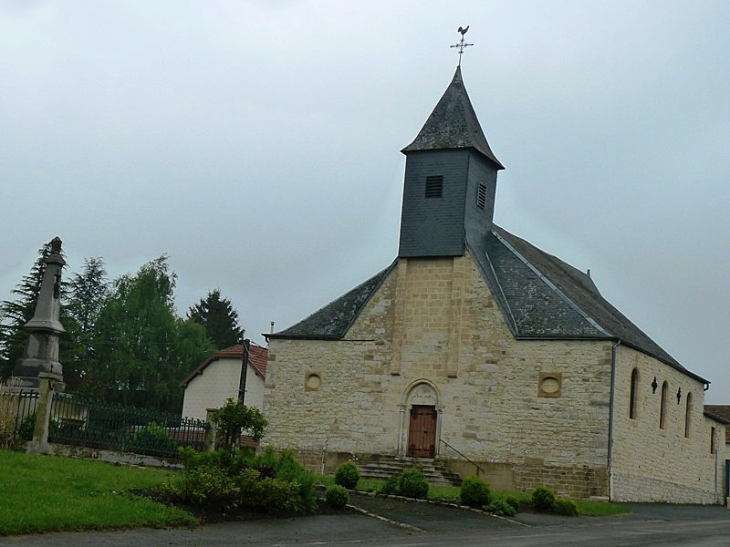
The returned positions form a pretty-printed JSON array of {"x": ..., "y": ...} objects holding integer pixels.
[{"x": 393, "y": 523}]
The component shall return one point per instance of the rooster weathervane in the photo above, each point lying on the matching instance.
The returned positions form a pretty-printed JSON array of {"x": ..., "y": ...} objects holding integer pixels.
[{"x": 461, "y": 45}]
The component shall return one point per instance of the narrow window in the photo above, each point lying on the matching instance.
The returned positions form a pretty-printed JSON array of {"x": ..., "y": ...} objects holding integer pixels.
[
  {"x": 712, "y": 440},
  {"x": 663, "y": 408},
  {"x": 633, "y": 393},
  {"x": 434, "y": 186},
  {"x": 482, "y": 196},
  {"x": 687, "y": 414}
]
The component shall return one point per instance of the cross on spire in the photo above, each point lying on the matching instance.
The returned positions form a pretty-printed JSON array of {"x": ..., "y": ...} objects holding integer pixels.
[{"x": 461, "y": 45}]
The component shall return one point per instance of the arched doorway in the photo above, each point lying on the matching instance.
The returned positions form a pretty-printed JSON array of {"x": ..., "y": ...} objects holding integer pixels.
[{"x": 422, "y": 421}]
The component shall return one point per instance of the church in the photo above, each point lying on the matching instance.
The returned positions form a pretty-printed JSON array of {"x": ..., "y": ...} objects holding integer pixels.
[{"x": 478, "y": 349}]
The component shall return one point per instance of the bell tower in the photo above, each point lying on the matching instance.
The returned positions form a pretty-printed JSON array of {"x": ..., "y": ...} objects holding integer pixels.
[{"x": 450, "y": 180}]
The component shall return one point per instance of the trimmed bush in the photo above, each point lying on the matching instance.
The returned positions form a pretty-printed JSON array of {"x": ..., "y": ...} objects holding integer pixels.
[
  {"x": 475, "y": 492},
  {"x": 543, "y": 498},
  {"x": 337, "y": 496},
  {"x": 501, "y": 508},
  {"x": 513, "y": 502},
  {"x": 412, "y": 483},
  {"x": 566, "y": 507},
  {"x": 389, "y": 487},
  {"x": 347, "y": 475}
]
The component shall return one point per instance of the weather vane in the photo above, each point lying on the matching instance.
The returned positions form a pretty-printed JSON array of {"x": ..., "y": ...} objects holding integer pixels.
[{"x": 461, "y": 45}]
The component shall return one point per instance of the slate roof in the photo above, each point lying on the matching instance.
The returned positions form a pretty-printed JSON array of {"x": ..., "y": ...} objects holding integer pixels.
[
  {"x": 257, "y": 359},
  {"x": 541, "y": 298},
  {"x": 453, "y": 124},
  {"x": 334, "y": 320}
]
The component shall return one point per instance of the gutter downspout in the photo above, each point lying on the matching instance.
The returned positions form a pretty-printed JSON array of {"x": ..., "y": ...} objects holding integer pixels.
[{"x": 609, "y": 459}]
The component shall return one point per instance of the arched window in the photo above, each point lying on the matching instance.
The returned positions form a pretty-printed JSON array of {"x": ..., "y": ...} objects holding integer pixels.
[
  {"x": 687, "y": 414},
  {"x": 633, "y": 394},
  {"x": 663, "y": 408}
]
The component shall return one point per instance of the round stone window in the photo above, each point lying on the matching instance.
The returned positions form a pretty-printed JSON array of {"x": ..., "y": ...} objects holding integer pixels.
[
  {"x": 313, "y": 382},
  {"x": 549, "y": 384}
]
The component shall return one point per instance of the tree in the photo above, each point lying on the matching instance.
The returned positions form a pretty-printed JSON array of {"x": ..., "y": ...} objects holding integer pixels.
[
  {"x": 219, "y": 318},
  {"x": 233, "y": 418},
  {"x": 87, "y": 293},
  {"x": 143, "y": 349}
]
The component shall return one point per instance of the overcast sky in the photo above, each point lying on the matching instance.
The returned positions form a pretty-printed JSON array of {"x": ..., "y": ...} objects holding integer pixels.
[{"x": 257, "y": 144}]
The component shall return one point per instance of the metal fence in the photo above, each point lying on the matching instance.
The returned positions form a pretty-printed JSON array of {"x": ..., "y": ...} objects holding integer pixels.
[
  {"x": 24, "y": 403},
  {"x": 93, "y": 424}
]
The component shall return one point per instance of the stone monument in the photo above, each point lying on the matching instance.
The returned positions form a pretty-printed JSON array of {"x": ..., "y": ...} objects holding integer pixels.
[{"x": 41, "y": 355}]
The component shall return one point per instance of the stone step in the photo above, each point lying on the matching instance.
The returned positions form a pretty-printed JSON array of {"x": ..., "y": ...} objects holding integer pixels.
[{"x": 384, "y": 467}]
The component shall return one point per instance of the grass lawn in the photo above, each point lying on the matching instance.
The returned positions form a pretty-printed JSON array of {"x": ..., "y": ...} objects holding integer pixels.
[
  {"x": 451, "y": 494},
  {"x": 46, "y": 493}
]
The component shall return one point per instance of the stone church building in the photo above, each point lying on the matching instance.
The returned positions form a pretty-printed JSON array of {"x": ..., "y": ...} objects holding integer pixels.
[{"x": 476, "y": 344}]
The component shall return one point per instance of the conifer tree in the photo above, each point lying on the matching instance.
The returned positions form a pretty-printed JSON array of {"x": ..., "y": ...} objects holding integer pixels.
[
  {"x": 219, "y": 318},
  {"x": 87, "y": 292}
]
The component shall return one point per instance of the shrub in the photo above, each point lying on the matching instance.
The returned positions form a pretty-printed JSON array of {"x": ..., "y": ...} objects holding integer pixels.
[
  {"x": 337, "y": 496},
  {"x": 206, "y": 485},
  {"x": 266, "y": 462},
  {"x": 475, "y": 492},
  {"x": 153, "y": 440},
  {"x": 390, "y": 486},
  {"x": 513, "y": 502},
  {"x": 289, "y": 469},
  {"x": 8, "y": 415},
  {"x": 226, "y": 480},
  {"x": 543, "y": 498},
  {"x": 273, "y": 495},
  {"x": 562, "y": 506},
  {"x": 25, "y": 430},
  {"x": 412, "y": 483},
  {"x": 501, "y": 508},
  {"x": 233, "y": 418},
  {"x": 347, "y": 475}
]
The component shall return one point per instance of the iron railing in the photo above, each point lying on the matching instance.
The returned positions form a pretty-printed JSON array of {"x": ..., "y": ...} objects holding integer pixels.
[
  {"x": 475, "y": 464},
  {"x": 26, "y": 401},
  {"x": 103, "y": 426}
]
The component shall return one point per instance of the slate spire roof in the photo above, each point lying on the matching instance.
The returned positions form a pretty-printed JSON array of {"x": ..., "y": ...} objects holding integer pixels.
[{"x": 453, "y": 124}]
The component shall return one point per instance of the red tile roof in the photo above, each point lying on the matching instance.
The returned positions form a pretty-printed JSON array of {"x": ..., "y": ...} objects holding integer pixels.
[{"x": 257, "y": 358}]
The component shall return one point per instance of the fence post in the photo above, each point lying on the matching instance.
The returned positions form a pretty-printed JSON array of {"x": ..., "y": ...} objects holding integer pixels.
[
  {"x": 211, "y": 431},
  {"x": 43, "y": 413}
]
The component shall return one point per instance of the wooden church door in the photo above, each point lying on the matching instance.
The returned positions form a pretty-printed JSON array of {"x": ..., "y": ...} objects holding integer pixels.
[{"x": 422, "y": 432}]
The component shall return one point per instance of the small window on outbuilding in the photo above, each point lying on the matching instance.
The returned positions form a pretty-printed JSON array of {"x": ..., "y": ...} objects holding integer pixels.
[
  {"x": 687, "y": 413},
  {"x": 481, "y": 196},
  {"x": 633, "y": 394},
  {"x": 663, "y": 408},
  {"x": 434, "y": 186},
  {"x": 712, "y": 440}
]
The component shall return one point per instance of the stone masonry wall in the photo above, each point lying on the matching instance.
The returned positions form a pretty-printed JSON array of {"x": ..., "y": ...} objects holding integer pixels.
[
  {"x": 669, "y": 464},
  {"x": 539, "y": 406}
]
